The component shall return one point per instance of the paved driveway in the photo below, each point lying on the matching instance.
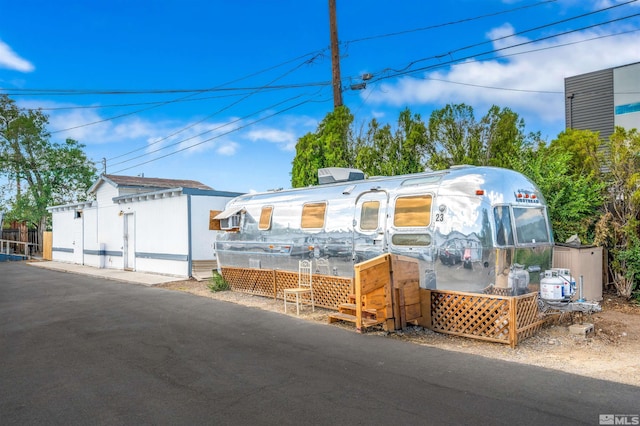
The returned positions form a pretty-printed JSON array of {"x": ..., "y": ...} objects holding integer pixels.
[{"x": 83, "y": 350}]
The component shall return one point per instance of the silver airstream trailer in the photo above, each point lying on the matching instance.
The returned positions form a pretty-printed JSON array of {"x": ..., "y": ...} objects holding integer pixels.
[{"x": 469, "y": 227}]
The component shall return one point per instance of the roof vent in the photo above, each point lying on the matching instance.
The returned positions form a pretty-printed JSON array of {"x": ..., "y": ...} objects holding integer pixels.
[{"x": 338, "y": 174}]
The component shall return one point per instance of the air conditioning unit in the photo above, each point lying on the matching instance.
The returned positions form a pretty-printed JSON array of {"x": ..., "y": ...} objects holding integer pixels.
[
  {"x": 232, "y": 222},
  {"x": 338, "y": 174}
]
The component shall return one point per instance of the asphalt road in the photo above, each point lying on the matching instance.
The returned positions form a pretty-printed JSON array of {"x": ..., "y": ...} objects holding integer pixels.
[{"x": 81, "y": 350}]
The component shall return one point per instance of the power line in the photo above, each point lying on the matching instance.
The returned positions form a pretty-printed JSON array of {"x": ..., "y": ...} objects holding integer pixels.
[
  {"x": 405, "y": 71},
  {"x": 218, "y": 136},
  {"x": 76, "y": 107},
  {"x": 446, "y": 24},
  {"x": 214, "y": 114},
  {"x": 188, "y": 96},
  {"x": 537, "y": 50},
  {"x": 451, "y": 52},
  {"x": 269, "y": 86},
  {"x": 248, "y": 124},
  {"x": 73, "y": 92},
  {"x": 194, "y": 136},
  {"x": 64, "y": 92}
]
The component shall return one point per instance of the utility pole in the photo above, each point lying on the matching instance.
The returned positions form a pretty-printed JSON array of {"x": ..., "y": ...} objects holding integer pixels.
[{"x": 335, "y": 55}]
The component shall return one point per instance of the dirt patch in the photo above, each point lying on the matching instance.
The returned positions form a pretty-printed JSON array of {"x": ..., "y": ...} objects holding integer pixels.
[{"x": 610, "y": 352}]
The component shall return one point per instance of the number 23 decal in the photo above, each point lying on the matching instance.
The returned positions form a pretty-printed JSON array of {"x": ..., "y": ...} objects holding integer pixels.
[{"x": 439, "y": 217}]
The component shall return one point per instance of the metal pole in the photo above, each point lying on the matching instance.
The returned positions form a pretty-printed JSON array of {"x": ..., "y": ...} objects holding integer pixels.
[{"x": 580, "y": 298}]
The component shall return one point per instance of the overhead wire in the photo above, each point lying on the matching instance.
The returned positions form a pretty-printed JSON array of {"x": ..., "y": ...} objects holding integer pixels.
[
  {"x": 317, "y": 54},
  {"x": 446, "y": 24},
  {"x": 194, "y": 136},
  {"x": 460, "y": 49},
  {"x": 213, "y": 114},
  {"x": 492, "y": 51},
  {"x": 217, "y": 136},
  {"x": 267, "y": 87},
  {"x": 532, "y": 51},
  {"x": 484, "y": 53}
]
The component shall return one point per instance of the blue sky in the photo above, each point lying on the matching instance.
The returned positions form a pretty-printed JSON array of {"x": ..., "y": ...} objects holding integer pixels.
[{"x": 220, "y": 91}]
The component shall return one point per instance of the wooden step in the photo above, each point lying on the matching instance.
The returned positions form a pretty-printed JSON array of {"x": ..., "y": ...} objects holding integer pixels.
[
  {"x": 339, "y": 316},
  {"x": 350, "y": 308},
  {"x": 203, "y": 269}
]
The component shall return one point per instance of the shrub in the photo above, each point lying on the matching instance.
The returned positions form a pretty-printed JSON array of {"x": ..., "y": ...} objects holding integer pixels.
[{"x": 218, "y": 283}]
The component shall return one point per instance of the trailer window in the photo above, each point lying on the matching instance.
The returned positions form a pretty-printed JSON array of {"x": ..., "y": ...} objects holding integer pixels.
[
  {"x": 313, "y": 215},
  {"x": 412, "y": 211},
  {"x": 531, "y": 225},
  {"x": 411, "y": 239},
  {"x": 369, "y": 215},
  {"x": 504, "y": 233},
  {"x": 265, "y": 218}
]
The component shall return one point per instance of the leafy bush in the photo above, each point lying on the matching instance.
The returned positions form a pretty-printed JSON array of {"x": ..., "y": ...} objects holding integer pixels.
[{"x": 218, "y": 283}]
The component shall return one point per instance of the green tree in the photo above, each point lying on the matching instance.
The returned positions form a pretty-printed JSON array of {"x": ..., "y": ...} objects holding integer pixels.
[
  {"x": 619, "y": 227},
  {"x": 583, "y": 146},
  {"x": 329, "y": 146},
  {"x": 503, "y": 139},
  {"x": 451, "y": 138},
  {"x": 456, "y": 137},
  {"x": 382, "y": 152},
  {"x": 39, "y": 173},
  {"x": 574, "y": 199}
]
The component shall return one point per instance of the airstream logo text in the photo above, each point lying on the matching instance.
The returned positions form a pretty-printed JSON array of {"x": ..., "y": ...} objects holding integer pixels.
[{"x": 526, "y": 197}]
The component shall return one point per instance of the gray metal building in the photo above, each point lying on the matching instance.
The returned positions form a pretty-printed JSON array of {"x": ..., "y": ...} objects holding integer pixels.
[{"x": 601, "y": 100}]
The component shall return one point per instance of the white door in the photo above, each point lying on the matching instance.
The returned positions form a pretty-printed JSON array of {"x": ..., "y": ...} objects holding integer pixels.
[
  {"x": 128, "y": 243},
  {"x": 78, "y": 237}
]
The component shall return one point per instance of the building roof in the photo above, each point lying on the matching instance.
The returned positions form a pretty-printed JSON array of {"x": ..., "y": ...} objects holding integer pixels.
[{"x": 147, "y": 183}]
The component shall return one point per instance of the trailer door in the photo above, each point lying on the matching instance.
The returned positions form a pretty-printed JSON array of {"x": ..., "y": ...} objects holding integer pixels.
[{"x": 369, "y": 225}]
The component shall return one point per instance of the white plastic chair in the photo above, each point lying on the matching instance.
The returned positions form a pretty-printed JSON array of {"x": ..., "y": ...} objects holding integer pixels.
[{"x": 305, "y": 286}]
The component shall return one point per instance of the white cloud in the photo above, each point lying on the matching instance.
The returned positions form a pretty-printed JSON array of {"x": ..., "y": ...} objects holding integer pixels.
[
  {"x": 601, "y": 4},
  {"x": 284, "y": 139},
  {"x": 89, "y": 127},
  {"x": 11, "y": 60},
  {"x": 227, "y": 148},
  {"x": 477, "y": 82}
]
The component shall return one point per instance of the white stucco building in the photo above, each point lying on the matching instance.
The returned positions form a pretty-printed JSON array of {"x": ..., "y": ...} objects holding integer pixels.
[{"x": 140, "y": 224}]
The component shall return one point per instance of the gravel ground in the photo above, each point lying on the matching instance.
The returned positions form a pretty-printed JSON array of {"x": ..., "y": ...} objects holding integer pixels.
[{"x": 609, "y": 353}]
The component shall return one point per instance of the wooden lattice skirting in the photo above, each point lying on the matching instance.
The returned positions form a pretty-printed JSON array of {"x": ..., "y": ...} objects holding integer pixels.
[
  {"x": 491, "y": 317},
  {"x": 328, "y": 291},
  {"x": 494, "y": 318}
]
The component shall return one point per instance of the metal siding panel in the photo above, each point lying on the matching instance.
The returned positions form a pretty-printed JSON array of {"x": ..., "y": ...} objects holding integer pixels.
[{"x": 591, "y": 107}]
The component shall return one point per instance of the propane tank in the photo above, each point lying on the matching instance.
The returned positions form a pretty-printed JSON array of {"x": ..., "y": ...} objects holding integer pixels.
[
  {"x": 568, "y": 282},
  {"x": 518, "y": 279},
  {"x": 551, "y": 286}
]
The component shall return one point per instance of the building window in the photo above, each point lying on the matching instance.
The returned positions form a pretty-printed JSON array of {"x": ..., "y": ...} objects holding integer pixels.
[
  {"x": 504, "y": 234},
  {"x": 313, "y": 215},
  {"x": 414, "y": 211},
  {"x": 531, "y": 225},
  {"x": 369, "y": 215},
  {"x": 265, "y": 218},
  {"x": 411, "y": 239}
]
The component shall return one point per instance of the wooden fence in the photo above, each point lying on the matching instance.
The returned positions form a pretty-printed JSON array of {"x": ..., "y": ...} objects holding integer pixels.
[
  {"x": 328, "y": 291},
  {"x": 47, "y": 245},
  {"x": 494, "y": 318},
  {"x": 388, "y": 288}
]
